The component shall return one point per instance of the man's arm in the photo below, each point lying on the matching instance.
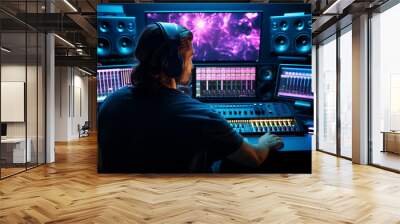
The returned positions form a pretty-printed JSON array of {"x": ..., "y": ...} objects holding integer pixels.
[{"x": 254, "y": 155}]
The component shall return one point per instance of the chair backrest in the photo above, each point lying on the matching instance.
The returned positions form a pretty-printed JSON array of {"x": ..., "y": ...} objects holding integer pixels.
[{"x": 86, "y": 125}]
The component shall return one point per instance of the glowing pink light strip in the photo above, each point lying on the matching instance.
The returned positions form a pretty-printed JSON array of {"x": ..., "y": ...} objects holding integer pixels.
[{"x": 295, "y": 95}]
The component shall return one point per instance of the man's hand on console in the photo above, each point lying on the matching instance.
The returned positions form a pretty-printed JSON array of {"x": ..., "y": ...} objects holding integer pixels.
[
  {"x": 254, "y": 155},
  {"x": 273, "y": 142}
]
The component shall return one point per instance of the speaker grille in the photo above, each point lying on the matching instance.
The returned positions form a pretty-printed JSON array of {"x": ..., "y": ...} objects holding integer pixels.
[
  {"x": 299, "y": 24},
  {"x": 121, "y": 27},
  {"x": 125, "y": 45},
  {"x": 303, "y": 43},
  {"x": 284, "y": 25},
  {"x": 281, "y": 43},
  {"x": 103, "y": 47},
  {"x": 104, "y": 26},
  {"x": 266, "y": 82}
]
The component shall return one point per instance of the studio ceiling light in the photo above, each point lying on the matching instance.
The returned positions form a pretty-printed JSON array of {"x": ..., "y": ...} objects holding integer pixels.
[
  {"x": 5, "y": 49},
  {"x": 65, "y": 41},
  {"x": 84, "y": 71},
  {"x": 337, "y": 7},
  {"x": 70, "y": 5}
]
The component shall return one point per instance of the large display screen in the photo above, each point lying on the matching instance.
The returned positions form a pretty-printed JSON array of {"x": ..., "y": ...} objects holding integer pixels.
[
  {"x": 218, "y": 36},
  {"x": 221, "y": 82}
]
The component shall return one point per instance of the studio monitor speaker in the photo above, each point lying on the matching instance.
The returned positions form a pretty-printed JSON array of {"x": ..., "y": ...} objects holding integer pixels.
[
  {"x": 291, "y": 34},
  {"x": 266, "y": 79},
  {"x": 116, "y": 36}
]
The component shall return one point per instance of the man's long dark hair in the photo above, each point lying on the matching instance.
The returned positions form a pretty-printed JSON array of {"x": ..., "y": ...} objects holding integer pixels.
[{"x": 148, "y": 51}]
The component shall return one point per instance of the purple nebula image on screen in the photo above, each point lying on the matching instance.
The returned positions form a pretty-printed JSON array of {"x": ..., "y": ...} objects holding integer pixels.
[{"x": 218, "y": 36}]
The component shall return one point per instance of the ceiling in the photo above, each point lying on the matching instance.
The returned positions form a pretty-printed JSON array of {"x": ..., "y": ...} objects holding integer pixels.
[{"x": 75, "y": 23}]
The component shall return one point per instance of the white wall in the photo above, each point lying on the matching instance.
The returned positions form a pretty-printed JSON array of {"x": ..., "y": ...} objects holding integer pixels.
[
  {"x": 71, "y": 102},
  {"x": 61, "y": 103}
]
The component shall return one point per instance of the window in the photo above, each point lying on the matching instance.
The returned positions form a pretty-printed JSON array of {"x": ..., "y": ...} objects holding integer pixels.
[
  {"x": 22, "y": 81},
  {"x": 327, "y": 96},
  {"x": 385, "y": 88},
  {"x": 346, "y": 92}
]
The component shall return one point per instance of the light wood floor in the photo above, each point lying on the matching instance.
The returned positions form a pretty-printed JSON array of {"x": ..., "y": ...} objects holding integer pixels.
[
  {"x": 71, "y": 191},
  {"x": 10, "y": 171},
  {"x": 5, "y": 172},
  {"x": 387, "y": 159}
]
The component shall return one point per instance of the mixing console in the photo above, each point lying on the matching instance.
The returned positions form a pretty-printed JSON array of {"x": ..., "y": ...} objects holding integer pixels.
[
  {"x": 260, "y": 126},
  {"x": 252, "y": 110},
  {"x": 259, "y": 118}
]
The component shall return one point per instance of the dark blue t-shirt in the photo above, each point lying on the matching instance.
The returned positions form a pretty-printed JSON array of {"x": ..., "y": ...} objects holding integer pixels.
[{"x": 165, "y": 131}]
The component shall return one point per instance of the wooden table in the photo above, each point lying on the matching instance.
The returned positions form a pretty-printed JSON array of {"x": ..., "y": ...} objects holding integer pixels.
[{"x": 391, "y": 141}]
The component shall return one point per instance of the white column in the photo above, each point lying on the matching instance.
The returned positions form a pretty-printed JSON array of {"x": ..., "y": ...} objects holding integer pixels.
[
  {"x": 50, "y": 92},
  {"x": 50, "y": 100},
  {"x": 360, "y": 90}
]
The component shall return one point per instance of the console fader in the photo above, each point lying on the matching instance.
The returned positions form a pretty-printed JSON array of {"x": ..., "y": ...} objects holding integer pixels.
[{"x": 259, "y": 118}]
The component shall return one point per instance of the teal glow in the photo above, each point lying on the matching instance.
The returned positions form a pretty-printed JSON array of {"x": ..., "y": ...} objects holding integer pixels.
[{"x": 302, "y": 103}]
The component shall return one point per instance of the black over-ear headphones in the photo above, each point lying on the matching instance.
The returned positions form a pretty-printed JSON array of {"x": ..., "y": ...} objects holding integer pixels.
[{"x": 171, "y": 59}]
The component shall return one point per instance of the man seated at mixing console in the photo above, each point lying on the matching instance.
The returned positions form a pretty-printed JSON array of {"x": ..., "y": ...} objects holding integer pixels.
[{"x": 153, "y": 127}]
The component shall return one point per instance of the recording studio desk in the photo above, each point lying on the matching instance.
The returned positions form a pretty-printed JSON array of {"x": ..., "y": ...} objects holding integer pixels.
[
  {"x": 292, "y": 143},
  {"x": 295, "y": 157}
]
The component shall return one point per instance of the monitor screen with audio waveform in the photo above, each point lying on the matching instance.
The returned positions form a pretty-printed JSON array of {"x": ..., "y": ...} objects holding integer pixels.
[
  {"x": 223, "y": 82},
  {"x": 218, "y": 36},
  {"x": 295, "y": 82},
  {"x": 110, "y": 80}
]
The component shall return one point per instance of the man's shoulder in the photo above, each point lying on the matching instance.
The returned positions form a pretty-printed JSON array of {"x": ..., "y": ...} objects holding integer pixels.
[
  {"x": 189, "y": 106},
  {"x": 126, "y": 90},
  {"x": 192, "y": 102},
  {"x": 116, "y": 97}
]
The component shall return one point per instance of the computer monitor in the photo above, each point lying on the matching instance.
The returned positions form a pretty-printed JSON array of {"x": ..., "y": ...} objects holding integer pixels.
[
  {"x": 222, "y": 82},
  {"x": 3, "y": 129},
  {"x": 218, "y": 36},
  {"x": 295, "y": 82}
]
